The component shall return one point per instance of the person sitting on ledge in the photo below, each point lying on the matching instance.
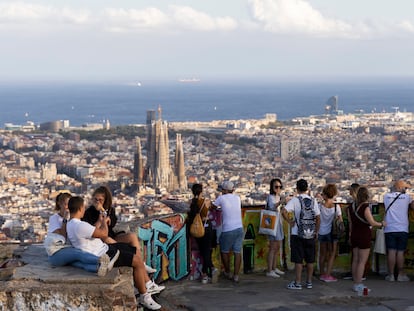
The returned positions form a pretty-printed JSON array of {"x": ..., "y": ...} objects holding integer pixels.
[
  {"x": 60, "y": 253},
  {"x": 90, "y": 238}
]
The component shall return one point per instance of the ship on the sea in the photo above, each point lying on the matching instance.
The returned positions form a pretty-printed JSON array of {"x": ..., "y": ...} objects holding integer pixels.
[{"x": 190, "y": 80}]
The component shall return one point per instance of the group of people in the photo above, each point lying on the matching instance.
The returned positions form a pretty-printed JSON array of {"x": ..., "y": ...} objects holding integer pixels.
[
  {"x": 311, "y": 220},
  {"x": 85, "y": 238}
]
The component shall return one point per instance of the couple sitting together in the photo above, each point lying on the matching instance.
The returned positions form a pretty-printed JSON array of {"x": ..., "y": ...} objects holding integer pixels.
[{"x": 94, "y": 245}]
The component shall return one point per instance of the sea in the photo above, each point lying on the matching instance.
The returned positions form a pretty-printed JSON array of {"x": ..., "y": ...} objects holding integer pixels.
[{"x": 126, "y": 102}]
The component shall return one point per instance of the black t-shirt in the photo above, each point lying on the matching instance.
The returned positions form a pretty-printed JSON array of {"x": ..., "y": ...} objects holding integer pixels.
[{"x": 92, "y": 215}]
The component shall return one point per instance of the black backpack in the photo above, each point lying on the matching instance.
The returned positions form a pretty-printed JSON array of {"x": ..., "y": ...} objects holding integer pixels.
[{"x": 307, "y": 219}]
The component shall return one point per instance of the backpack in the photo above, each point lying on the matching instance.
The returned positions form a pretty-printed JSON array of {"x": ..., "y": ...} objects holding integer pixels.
[{"x": 307, "y": 220}]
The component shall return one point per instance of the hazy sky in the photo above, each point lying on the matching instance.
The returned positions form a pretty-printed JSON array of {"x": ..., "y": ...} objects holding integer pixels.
[{"x": 164, "y": 39}]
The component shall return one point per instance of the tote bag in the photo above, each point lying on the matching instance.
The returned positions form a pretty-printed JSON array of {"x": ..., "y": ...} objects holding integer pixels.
[
  {"x": 269, "y": 221},
  {"x": 379, "y": 246},
  {"x": 197, "y": 227}
]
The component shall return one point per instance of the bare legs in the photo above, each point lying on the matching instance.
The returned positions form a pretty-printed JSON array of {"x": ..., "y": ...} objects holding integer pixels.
[
  {"x": 395, "y": 258},
  {"x": 359, "y": 259},
  {"x": 225, "y": 257},
  {"x": 273, "y": 255}
]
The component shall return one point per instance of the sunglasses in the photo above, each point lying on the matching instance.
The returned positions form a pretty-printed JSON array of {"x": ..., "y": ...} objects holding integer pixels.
[{"x": 277, "y": 187}]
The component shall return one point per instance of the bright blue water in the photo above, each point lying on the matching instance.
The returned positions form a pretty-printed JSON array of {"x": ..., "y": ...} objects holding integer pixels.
[{"x": 202, "y": 101}]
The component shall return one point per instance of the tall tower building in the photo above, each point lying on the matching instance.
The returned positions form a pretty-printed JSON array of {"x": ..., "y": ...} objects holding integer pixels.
[
  {"x": 158, "y": 169},
  {"x": 138, "y": 165},
  {"x": 179, "y": 164}
]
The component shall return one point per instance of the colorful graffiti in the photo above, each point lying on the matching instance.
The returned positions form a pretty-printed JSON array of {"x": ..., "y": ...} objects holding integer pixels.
[{"x": 165, "y": 246}]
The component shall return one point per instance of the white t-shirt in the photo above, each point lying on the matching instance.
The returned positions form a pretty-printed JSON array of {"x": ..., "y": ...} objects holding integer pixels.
[
  {"x": 397, "y": 215},
  {"x": 55, "y": 223},
  {"x": 294, "y": 206},
  {"x": 80, "y": 235},
  {"x": 327, "y": 216},
  {"x": 231, "y": 211}
]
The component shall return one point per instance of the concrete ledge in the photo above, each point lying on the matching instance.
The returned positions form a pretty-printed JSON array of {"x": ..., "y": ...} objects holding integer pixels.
[{"x": 39, "y": 286}]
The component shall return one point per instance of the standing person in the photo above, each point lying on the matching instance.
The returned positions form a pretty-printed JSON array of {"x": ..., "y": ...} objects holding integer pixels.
[
  {"x": 231, "y": 238},
  {"x": 201, "y": 205},
  {"x": 273, "y": 203},
  {"x": 304, "y": 231},
  {"x": 362, "y": 221},
  {"x": 90, "y": 238},
  {"x": 328, "y": 244},
  {"x": 353, "y": 190},
  {"x": 102, "y": 205},
  {"x": 396, "y": 203},
  {"x": 61, "y": 253}
]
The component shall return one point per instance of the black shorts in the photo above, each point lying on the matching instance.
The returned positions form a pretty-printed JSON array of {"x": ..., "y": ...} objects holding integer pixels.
[
  {"x": 302, "y": 249},
  {"x": 126, "y": 254}
]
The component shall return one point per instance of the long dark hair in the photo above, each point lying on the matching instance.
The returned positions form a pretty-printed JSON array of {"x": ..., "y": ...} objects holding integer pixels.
[
  {"x": 272, "y": 185},
  {"x": 107, "y": 204}
]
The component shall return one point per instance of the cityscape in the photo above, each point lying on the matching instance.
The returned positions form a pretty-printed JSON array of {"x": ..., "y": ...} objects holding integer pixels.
[{"x": 164, "y": 159}]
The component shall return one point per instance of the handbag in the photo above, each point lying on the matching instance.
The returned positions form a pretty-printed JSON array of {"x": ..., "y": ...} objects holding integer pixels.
[
  {"x": 379, "y": 246},
  {"x": 197, "y": 226},
  {"x": 269, "y": 221},
  {"x": 338, "y": 227}
]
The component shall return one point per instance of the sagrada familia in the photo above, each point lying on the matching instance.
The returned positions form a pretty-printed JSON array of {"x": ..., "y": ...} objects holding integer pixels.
[{"x": 158, "y": 172}]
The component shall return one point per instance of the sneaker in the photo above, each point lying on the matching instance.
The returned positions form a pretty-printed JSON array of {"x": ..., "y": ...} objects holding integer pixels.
[
  {"x": 347, "y": 276},
  {"x": 149, "y": 303},
  {"x": 359, "y": 287},
  {"x": 280, "y": 272},
  {"x": 153, "y": 288},
  {"x": 113, "y": 260},
  {"x": 390, "y": 278},
  {"x": 309, "y": 285},
  {"x": 403, "y": 278},
  {"x": 293, "y": 285},
  {"x": 214, "y": 276},
  {"x": 150, "y": 269},
  {"x": 103, "y": 265},
  {"x": 272, "y": 274},
  {"x": 330, "y": 278},
  {"x": 236, "y": 279},
  {"x": 323, "y": 277},
  {"x": 227, "y": 276},
  {"x": 204, "y": 280}
]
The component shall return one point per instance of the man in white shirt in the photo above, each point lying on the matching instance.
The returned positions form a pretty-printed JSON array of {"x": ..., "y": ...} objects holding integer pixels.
[
  {"x": 231, "y": 238},
  {"x": 304, "y": 232},
  {"x": 396, "y": 205},
  {"x": 88, "y": 238}
]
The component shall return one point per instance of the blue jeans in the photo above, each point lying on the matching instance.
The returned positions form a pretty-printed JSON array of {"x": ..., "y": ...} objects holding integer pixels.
[{"x": 75, "y": 257}]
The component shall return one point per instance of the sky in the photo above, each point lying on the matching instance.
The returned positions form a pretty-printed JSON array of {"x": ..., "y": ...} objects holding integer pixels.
[{"x": 167, "y": 39}]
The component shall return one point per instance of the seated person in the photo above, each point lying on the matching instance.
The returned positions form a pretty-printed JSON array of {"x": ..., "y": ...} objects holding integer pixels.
[
  {"x": 60, "y": 253},
  {"x": 90, "y": 238}
]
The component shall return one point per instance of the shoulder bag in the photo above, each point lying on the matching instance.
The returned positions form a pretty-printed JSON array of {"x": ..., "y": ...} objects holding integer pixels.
[
  {"x": 197, "y": 226},
  {"x": 338, "y": 227}
]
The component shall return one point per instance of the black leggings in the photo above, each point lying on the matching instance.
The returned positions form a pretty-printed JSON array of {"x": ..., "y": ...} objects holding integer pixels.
[{"x": 204, "y": 246}]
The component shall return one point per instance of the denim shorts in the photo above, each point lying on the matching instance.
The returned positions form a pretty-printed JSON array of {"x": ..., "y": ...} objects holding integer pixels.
[
  {"x": 396, "y": 240},
  {"x": 325, "y": 238},
  {"x": 231, "y": 240}
]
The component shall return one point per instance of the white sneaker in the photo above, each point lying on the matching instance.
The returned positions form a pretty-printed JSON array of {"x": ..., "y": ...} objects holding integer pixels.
[
  {"x": 280, "y": 272},
  {"x": 403, "y": 278},
  {"x": 390, "y": 278},
  {"x": 149, "y": 303},
  {"x": 103, "y": 265},
  {"x": 113, "y": 260},
  {"x": 272, "y": 274},
  {"x": 153, "y": 288},
  {"x": 150, "y": 269}
]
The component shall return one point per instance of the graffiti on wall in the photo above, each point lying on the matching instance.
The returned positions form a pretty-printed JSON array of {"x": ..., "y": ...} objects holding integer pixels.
[{"x": 164, "y": 244}]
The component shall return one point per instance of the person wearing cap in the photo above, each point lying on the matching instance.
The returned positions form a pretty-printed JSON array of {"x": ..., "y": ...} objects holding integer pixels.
[
  {"x": 231, "y": 238},
  {"x": 396, "y": 203},
  {"x": 302, "y": 249}
]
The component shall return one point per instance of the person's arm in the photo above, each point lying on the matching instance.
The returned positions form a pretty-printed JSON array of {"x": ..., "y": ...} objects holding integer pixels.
[
  {"x": 101, "y": 229},
  {"x": 318, "y": 224},
  {"x": 285, "y": 215},
  {"x": 371, "y": 220}
]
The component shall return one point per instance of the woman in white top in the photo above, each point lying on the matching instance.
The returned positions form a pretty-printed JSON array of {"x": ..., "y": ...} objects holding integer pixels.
[
  {"x": 59, "y": 252},
  {"x": 327, "y": 242},
  {"x": 273, "y": 202}
]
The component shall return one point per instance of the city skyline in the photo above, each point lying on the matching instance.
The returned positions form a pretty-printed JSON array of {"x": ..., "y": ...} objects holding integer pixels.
[{"x": 121, "y": 40}]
